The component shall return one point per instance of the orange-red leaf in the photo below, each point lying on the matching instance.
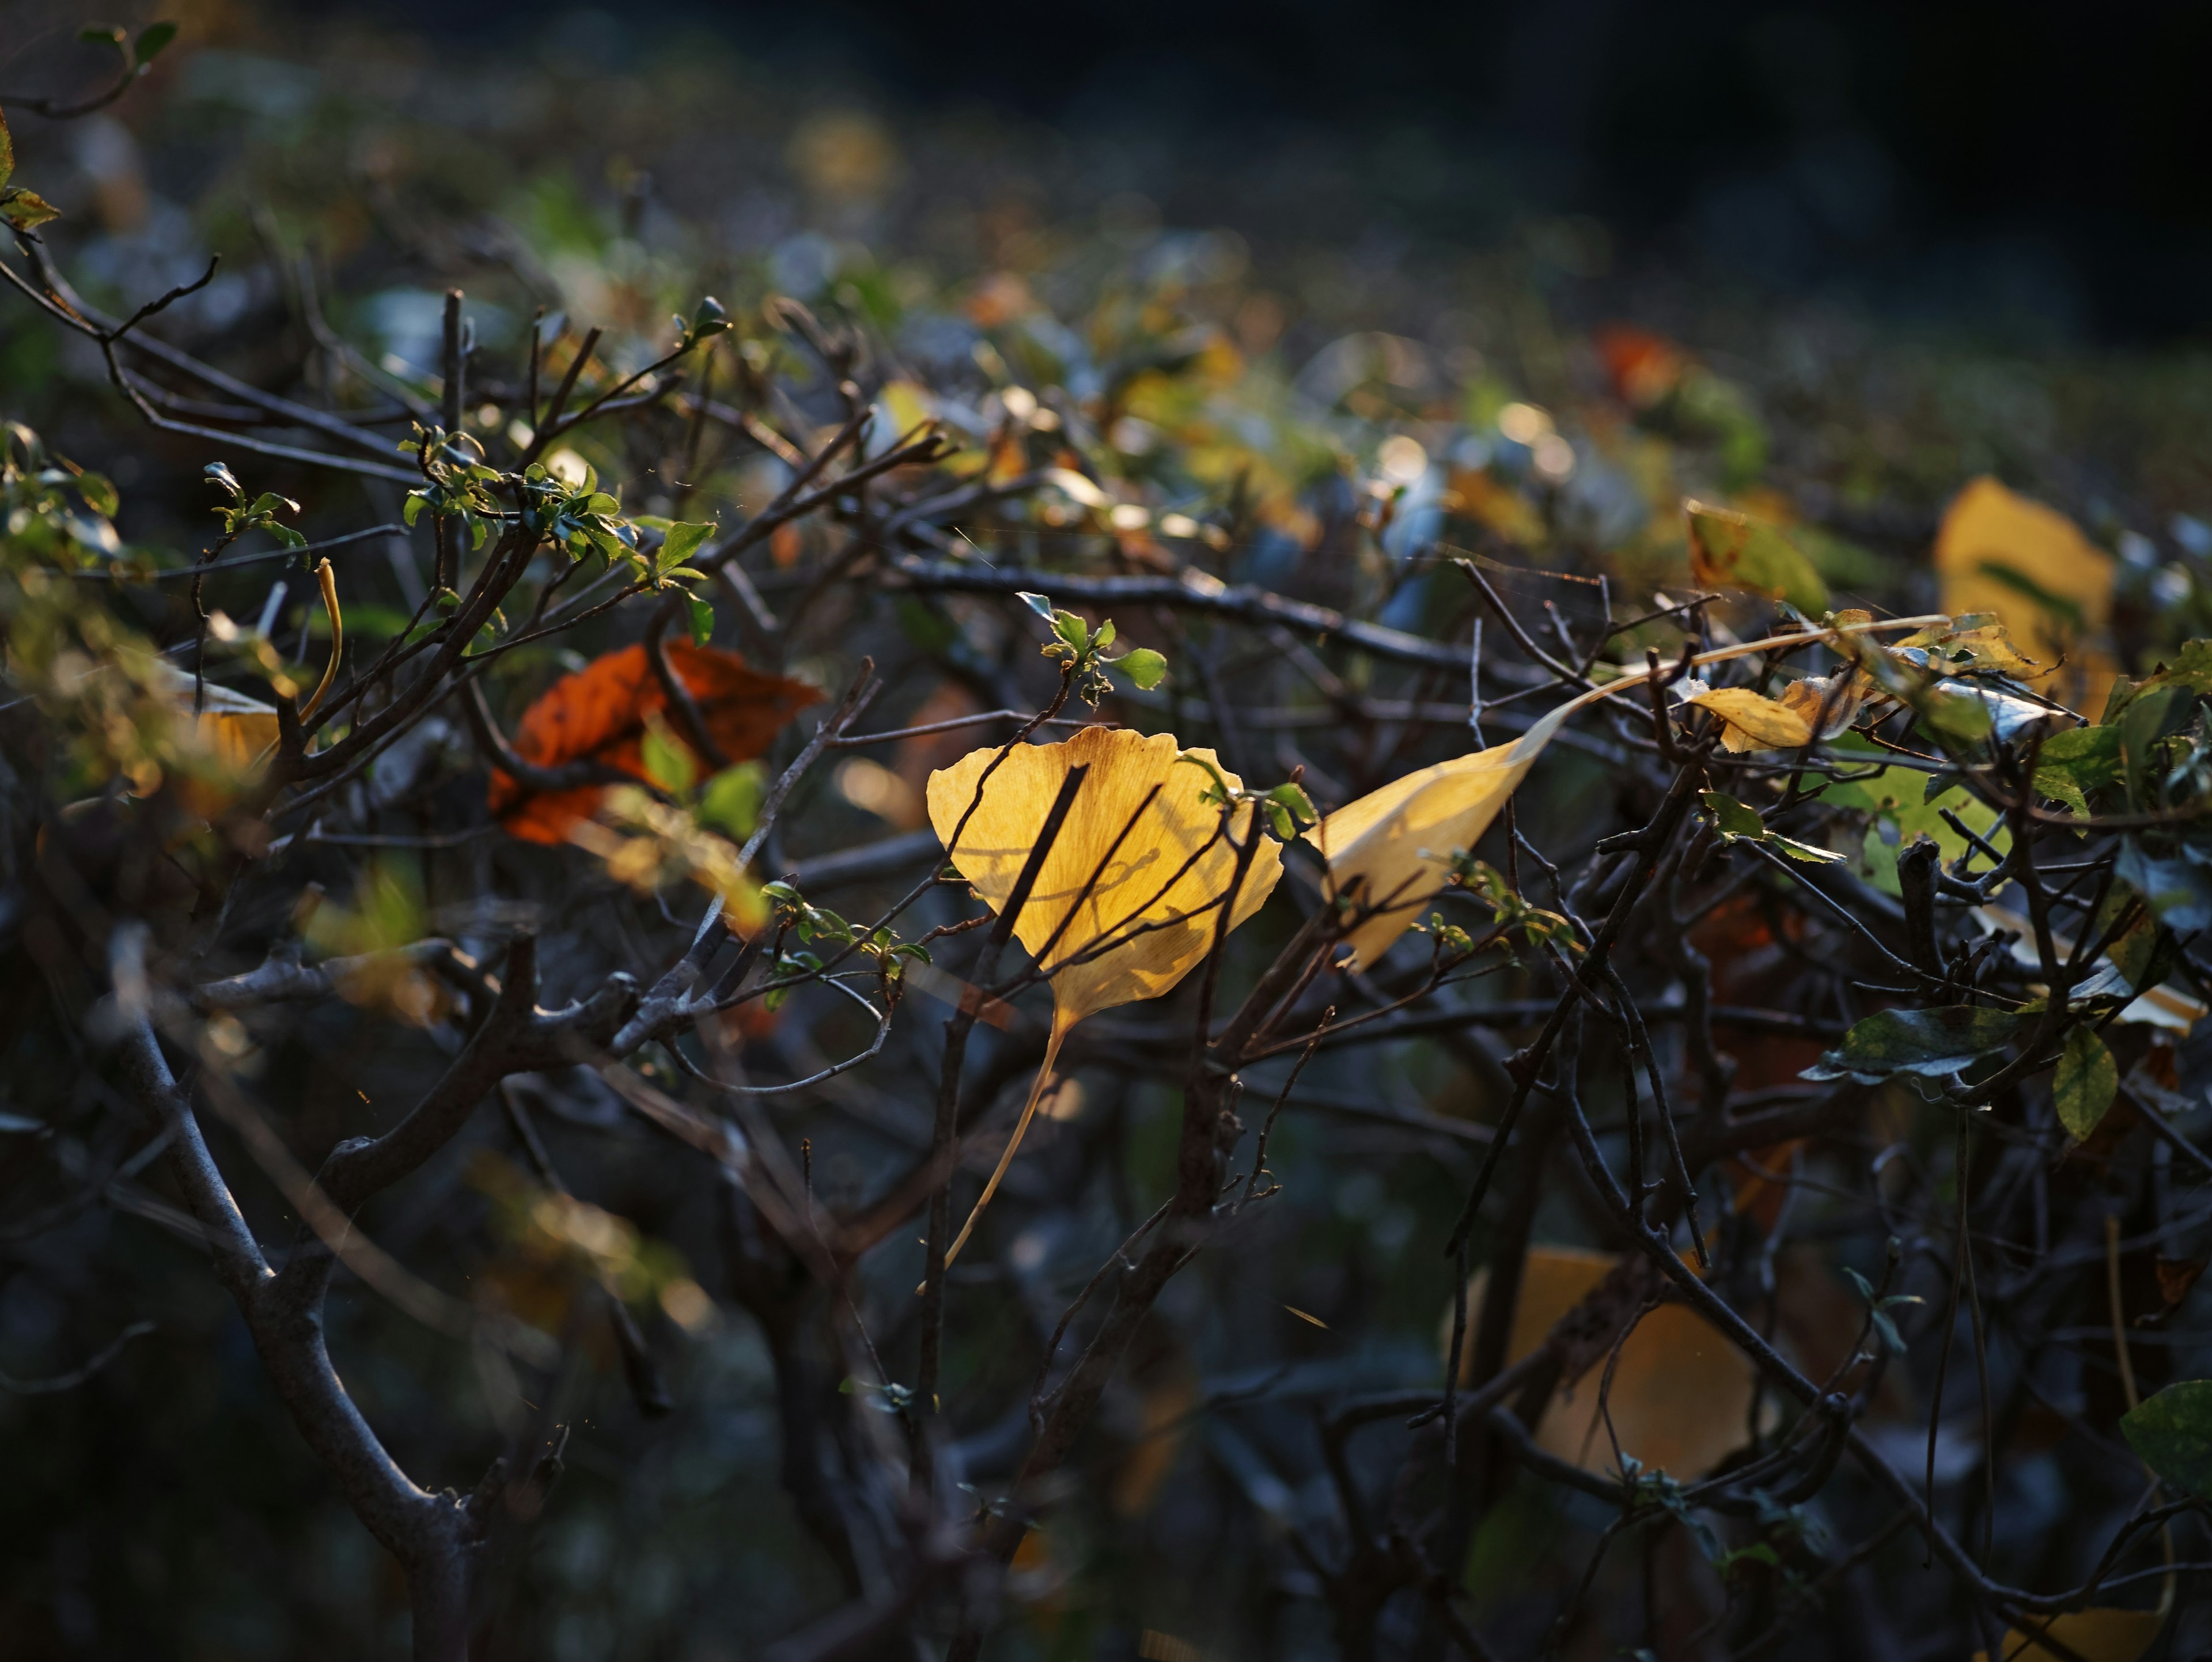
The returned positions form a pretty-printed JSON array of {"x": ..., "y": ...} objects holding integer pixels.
[{"x": 599, "y": 714}]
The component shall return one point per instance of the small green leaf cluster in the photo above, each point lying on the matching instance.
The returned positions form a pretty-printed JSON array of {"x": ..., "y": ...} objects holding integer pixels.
[
  {"x": 795, "y": 916},
  {"x": 1738, "y": 822},
  {"x": 457, "y": 482},
  {"x": 1080, "y": 651},
  {"x": 1288, "y": 809},
  {"x": 1513, "y": 913},
  {"x": 24, "y": 209},
  {"x": 138, "y": 55},
  {"x": 1878, "y": 1309},
  {"x": 242, "y": 516},
  {"x": 703, "y": 324},
  {"x": 52, "y": 510}
]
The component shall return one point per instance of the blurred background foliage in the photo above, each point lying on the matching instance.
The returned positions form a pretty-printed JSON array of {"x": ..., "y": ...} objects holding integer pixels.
[{"x": 1295, "y": 347}]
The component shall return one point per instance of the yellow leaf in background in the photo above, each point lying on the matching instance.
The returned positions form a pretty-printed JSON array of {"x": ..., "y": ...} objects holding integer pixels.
[
  {"x": 2168, "y": 1005},
  {"x": 1162, "y": 871},
  {"x": 1729, "y": 550},
  {"x": 2098, "y": 1636},
  {"x": 2049, "y": 585},
  {"x": 1755, "y": 722},
  {"x": 239, "y": 731},
  {"x": 1681, "y": 1400}
]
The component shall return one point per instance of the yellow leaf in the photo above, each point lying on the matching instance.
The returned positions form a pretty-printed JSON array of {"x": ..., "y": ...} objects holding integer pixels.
[
  {"x": 1681, "y": 1400},
  {"x": 1993, "y": 649},
  {"x": 1839, "y": 695},
  {"x": 1161, "y": 869},
  {"x": 238, "y": 732},
  {"x": 1390, "y": 852},
  {"x": 2050, "y": 585},
  {"x": 2097, "y": 1635},
  {"x": 2165, "y": 1005},
  {"x": 328, "y": 581},
  {"x": 1753, "y": 722}
]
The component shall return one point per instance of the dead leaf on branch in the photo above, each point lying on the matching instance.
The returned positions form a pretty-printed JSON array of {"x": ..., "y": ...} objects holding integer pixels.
[
  {"x": 600, "y": 714},
  {"x": 1680, "y": 1397},
  {"x": 1391, "y": 851},
  {"x": 1162, "y": 871}
]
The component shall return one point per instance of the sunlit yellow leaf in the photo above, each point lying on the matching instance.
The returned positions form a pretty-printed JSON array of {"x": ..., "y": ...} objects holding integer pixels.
[
  {"x": 1680, "y": 1398},
  {"x": 2096, "y": 1635},
  {"x": 1755, "y": 722},
  {"x": 1993, "y": 648},
  {"x": 1389, "y": 852},
  {"x": 2030, "y": 565},
  {"x": 1829, "y": 702},
  {"x": 1129, "y": 895}
]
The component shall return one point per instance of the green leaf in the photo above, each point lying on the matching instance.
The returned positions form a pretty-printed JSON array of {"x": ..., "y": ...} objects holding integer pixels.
[
  {"x": 1898, "y": 797},
  {"x": 219, "y": 474},
  {"x": 683, "y": 542},
  {"x": 1804, "y": 853},
  {"x": 710, "y": 320},
  {"x": 1954, "y": 713},
  {"x": 1733, "y": 818},
  {"x": 285, "y": 535},
  {"x": 1737, "y": 821},
  {"x": 1104, "y": 637},
  {"x": 2084, "y": 1083},
  {"x": 99, "y": 493},
  {"x": 2072, "y": 764},
  {"x": 732, "y": 803},
  {"x": 668, "y": 763},
  {"x": 1144, "y": 667},
  {"x": 2191, "y": 671},
  {"x": 103, "y": 35},
  {"x": 151, "y": 40},
  {"x": 702, "y": 620},
  {"x": 1071, "y": 629},
  {"x": 1736, "y": 551},
  {"x": 1933, "y": 1042},
  {"x": 2173, "y": 1433},
  {"x": 7, "y": 152},
  {"x": 1040, "y": 603}
]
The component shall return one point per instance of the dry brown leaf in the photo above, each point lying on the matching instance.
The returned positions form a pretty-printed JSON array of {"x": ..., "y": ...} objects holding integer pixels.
[
  {"x": 2098, "y": 1635},
  {"x": 1681, "y": 1400},
  {"x": 1148, "y": 920},
  {"x": 1839, "y": 696},
  {"x": 2050, "y": 585}
]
